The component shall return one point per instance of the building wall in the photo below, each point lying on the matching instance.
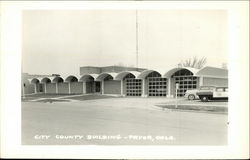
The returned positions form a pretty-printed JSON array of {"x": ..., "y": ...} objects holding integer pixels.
[
  {"x": 112, "y": 87},
  {"x": 28, "y": 89},
  {"x": 76, "y": 87},
  {"x": 63, "y": 88},
  {"x": 172, "y": 85},
  {"x": 89, "y": 87},
  {"x": 120, "y": 69},
  {"x": 124, "y": 88},
  {"x": 215, "y": 81},
  {"x": 90, "y": 70},
  {"x": 146, "y": 87},
  {"x": 51, "y": 88}
]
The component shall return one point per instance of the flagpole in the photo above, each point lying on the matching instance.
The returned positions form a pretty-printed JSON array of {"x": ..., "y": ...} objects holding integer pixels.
[{"x": 136, "y": 38}]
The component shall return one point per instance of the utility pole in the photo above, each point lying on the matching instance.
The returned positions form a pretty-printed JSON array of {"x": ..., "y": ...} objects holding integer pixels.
[{"x": 136, "y": 23}]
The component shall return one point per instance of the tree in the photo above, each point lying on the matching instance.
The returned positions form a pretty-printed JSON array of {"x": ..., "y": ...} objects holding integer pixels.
[{"x": 194, "y": 62}]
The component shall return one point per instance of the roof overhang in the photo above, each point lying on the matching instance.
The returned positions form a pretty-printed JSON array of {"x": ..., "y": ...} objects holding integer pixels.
[
  {"x": 122, "y": 75},
  {"x": 86, "y": 76},
  {"x": 33, "y": 80},
  {"x": 101, "y": 76},
  {"x": 70, "y": 77},
  {"x": 169, "y": 73},
  {"x": 145, "y": 73}
]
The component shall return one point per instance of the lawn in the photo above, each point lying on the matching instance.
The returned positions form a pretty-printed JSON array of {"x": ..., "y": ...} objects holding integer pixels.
[{"x": 216, "y": 106}]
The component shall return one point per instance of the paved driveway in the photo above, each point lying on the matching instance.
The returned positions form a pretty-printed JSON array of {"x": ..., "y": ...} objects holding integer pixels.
[{"x": 118, "y": 121}]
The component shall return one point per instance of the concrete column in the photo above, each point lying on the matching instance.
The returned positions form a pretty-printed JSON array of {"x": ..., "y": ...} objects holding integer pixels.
[
  {"x": 35, "y": 87},
  {"x": 200, "y": 81},
  {"x": 56, "y": 88},
  {"x": 169, "y": 87},
  {"x": 94, "y": 87},
  {"x": 69, "y": 88},
  {"x": 45, "y": 88},
  {"x": 84, "y": 87},
  {"x": 122, "y": 87},
  {"x": 102, "y": 86},
  {"x": 143, "y": 88},
  {"x": 23, "y": 90}
]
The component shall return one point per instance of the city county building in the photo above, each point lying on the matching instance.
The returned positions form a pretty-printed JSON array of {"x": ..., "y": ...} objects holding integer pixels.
[{"x": 126, "y": 81}]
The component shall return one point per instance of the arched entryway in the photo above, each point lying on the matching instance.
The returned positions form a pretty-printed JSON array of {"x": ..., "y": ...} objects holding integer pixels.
[
  {"x": 157, "y": 86},
  {"x": 133, "y": 85},
  {"x": 186, "y": 81},
  {"x": 45, "y": 86},
  {"x": 184, "y": 77},
  {"x": 108, "y": 83},
  {"x": 90, "y": 85}
]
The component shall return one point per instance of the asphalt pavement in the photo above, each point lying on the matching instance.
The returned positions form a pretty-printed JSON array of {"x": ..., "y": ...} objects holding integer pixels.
[{"x": 118, "y": 121}]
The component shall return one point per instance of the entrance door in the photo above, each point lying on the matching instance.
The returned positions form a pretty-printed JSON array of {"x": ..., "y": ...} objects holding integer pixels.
[
  {"x": 97, "y": 86},
  {"x": 40, "y": 87}
]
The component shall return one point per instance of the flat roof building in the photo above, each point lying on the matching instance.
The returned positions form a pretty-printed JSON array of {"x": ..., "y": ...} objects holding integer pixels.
[{"x": 129, "y": 81}]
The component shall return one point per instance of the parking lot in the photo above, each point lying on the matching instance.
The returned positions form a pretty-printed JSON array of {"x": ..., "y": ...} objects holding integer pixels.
[{"x": 118, "y": 121}]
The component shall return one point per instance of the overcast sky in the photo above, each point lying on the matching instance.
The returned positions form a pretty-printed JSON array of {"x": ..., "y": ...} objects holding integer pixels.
[{"x": 60, "y": 41}]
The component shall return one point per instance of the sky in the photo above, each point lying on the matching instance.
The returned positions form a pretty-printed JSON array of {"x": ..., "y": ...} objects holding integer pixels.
[{"x": 61, "y": 41}]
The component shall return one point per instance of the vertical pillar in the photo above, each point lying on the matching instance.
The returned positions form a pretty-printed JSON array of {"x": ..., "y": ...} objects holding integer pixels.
[
  {"x": 94, "y": 87},
  {"x": 45, "y": 88},
  {"x": 35, "y": 87},
  {"x": 169, "y": 87},
  {"x": 23, "y": 86},
  {"x": 83, "y": 87},
  {"x": 122, "y": 87},
  {"x": 143, "y": 88},
  {"x": 69, "y": 88},
  {"x": 102, "y": 86},
  {"x": 200, "y": 81},
  {"x": 56, "y": 88}
]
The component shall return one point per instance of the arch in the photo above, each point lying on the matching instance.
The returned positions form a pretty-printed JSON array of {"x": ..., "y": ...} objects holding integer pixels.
[
  {"x": 174, "y": 70},
  {"x": 86, "y": 77},
  {"x": 154, "y": 74},
  {"x": 71, "y": 78},
  {"x": 45, "y": 80},
  {"x": 34, "y": 80},
  {"x": 57, "y": 79},
  {"x": 122, "y": 75},
  {"x": 102, "y": 76},
  {"x": 145, "y": 73}
]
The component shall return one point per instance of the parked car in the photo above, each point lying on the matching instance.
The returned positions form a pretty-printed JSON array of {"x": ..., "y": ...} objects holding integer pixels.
[
  {"x": 215, "y": 93},
  {"x": 192, "y": 93}
]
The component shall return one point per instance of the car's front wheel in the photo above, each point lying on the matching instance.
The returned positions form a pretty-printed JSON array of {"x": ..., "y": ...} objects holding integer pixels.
[{"x": 191, "y": 97}]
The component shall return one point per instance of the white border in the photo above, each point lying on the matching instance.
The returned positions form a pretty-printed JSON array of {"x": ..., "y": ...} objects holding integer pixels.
[{"x": 238, "y": 84}]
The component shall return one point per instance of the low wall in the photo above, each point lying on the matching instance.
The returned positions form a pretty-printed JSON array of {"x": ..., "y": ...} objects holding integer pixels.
[
  {"x": 63, "y": 88},
  {"x": 28, "y": 89},
  {"x": 112, "y": 87},
  {"x": 50, "y": 88},
  {"x": 76, "y": 87}
]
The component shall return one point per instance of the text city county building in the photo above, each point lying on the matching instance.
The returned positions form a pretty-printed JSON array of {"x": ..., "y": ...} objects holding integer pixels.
[{"x": 126, "y": 81}]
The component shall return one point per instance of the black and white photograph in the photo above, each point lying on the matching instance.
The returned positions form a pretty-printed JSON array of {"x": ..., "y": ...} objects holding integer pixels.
[
  {"x": 124, "y": 77},
  {"x": 129, "y": 76}
]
